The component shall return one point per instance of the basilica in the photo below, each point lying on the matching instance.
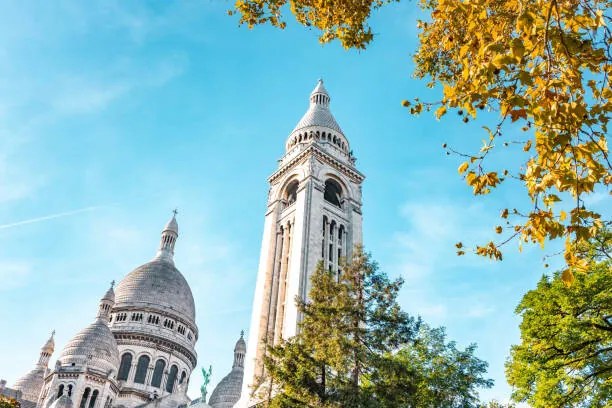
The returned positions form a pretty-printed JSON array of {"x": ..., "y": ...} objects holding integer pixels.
[{"x": 139, "y": 351}]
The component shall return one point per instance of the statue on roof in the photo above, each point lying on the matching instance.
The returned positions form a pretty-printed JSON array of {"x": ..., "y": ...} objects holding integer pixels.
[{"x": 206, "y": 375}]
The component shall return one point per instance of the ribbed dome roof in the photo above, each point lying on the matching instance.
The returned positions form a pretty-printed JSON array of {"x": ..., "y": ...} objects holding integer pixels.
[
  {"x": 31, "y": 383},
  {"x": 227, "y": 392},
  {"x": 157, "y": 284},
  {"x": 318, "y": 113},
  {"x": 95, "y": 346}
]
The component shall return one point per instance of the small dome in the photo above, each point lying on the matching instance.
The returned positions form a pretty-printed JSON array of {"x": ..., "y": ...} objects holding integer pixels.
[
  {"x": 318, "y": 120},
  {"x": 62, "y": 402},
  {"x": 31, "y": 384},
  {"x": 49, "y": 346},
  {"x": 95, "y": 346},
  {"x": 227, "y": 393},
  {"x": 157, "y": 284},
  {"x": 240, "y": 345},
  {"x": 172, "y": 225},
  {"x": 110, "y": 294}
]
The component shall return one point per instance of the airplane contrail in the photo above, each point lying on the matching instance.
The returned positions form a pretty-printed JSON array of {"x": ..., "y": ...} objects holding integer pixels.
[{"x": 48, "y": 217}]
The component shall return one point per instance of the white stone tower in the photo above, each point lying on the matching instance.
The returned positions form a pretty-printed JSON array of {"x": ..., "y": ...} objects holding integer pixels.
[{"x": 313, "y": 214}]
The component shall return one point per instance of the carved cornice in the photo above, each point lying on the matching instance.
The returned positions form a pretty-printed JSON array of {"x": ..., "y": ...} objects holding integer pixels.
[{"x": 325, "y": 157}]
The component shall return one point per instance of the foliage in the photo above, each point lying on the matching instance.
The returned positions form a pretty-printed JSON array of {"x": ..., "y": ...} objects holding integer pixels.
[
  {"x": 6, "y": 402},
  {"x": 565, "y": 355},
  {"x": 342, "y": 20},
  {"x": 357, "y": 348},
  {"x": 497, "y": 404},
  {"x": 441, "y": 374},
  {"x": 542, "y": 65}
]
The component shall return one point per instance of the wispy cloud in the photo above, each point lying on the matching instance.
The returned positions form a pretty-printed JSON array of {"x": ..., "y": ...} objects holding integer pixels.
[{"x": 49, "y": 217}]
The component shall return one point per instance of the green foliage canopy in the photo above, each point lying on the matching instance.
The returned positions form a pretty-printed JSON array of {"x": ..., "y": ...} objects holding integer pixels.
[
  {"x": 357, "y": 348},
  {"x": 565, "y": 355}
]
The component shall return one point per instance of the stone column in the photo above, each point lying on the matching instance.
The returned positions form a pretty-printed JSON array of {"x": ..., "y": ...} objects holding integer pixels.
[{"x": 280, "y": 310}]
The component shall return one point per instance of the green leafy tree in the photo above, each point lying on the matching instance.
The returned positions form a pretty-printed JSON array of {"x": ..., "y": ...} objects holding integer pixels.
[
  {"x": 350, "y": 325},
  {"x": 442, "y": 375},
  {"x": 357, "y": 348},
  {"x": 565, "y": 355},
  {"x": 542, "y": 65},
  {"x": 497, "y": 404}
]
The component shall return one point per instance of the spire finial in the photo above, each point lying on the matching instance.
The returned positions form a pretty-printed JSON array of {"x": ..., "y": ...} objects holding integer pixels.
[
  {"x": 242, "y": 334},
  {"x": 53, "y": 333},
  {"x": 113, "y": 284},
  {"x": 175, "y": 211}
]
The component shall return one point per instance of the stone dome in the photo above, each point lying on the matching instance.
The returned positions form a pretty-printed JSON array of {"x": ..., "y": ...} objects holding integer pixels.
[
  {"x": 31, "y": 383},
  {"x": 95, "y": 346},
  {"x": 227, "y": 393},
  {"x": 159, "y": 285},
  {"x": 62, "y": 402},
  {"x": 318, "y": 114},
  {"x": 318, "y": 124}
]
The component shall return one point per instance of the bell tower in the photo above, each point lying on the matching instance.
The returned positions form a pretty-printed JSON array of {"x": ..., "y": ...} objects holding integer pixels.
[{"x": 313, "y": 214}]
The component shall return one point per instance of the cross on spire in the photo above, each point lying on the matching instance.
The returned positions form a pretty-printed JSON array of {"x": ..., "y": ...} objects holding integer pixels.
[
  {"x": 175, "y": 211},
  {"x": 112, "y": 284}
]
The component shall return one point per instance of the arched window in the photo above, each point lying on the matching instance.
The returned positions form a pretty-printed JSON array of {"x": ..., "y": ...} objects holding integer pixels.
[
  {"x": 141, "y": 369},
  {"x": 158, "y": 372},
  {"x": 171, "y": 378},
  {"x": 291, "y": 192},
  {"x": 333, "y": 192},
  {"x": 70, "y": 389},
  {"x": 94, "y": 397},
  {"x": 183, "y": 375},
  {"x": 323, "y": 237},
  {"x": 124, "y": 368},
  {"x": 60, "y": 391},
  {"x": 84, "y": 397}
]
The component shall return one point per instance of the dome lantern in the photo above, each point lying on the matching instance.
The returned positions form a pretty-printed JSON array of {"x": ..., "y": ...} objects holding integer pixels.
[{"x": 168, "y": 240}]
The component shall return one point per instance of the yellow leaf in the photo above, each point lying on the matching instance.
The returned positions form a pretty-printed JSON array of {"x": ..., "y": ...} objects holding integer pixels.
[
  {"x": 527, "y": 146},
  {"x": 499, "y": 229},
  {"x": 464, "y": 166},
  {"x": 562, "y": 215},
  {"x": 567, "y": 277}
]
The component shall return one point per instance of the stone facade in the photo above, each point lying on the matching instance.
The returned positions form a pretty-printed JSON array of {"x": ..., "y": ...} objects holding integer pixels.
[
  {"x": 313, "y": 215},
  {"x": 139, "y": 351}
]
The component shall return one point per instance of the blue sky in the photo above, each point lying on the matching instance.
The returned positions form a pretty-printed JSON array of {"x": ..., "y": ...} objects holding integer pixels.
[{"x": 113, "y": 113}]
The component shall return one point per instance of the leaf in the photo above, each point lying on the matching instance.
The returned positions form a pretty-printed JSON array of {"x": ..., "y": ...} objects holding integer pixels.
[
  {"x": 463, "y": 167},
  {"x": 567, "y": 277}
]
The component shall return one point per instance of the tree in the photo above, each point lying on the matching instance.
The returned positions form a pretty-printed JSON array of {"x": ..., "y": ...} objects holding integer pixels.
[
  {"x": 6, "y": 402},
  {"x": 442, "y": 374},
  {"x": 356, "y": 348},
  {"x": 565, "y": 355},
  {"x": 542, "y": 65}
]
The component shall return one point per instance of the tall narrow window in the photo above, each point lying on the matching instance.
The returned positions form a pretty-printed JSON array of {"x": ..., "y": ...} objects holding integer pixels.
[
  {"x": 94, "y": 397},
  {"x": 158, "y": 372},
  {"x": 333, "y": 193},
  {"x": 84, "y": 398},
  {"x": 183, "y": 375},
  {"x": 124, "y": 368},
  {"x": 171, "y": 378},
  {"x": 60, "y": 391},
  {"x": 141, "y": 369}
]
